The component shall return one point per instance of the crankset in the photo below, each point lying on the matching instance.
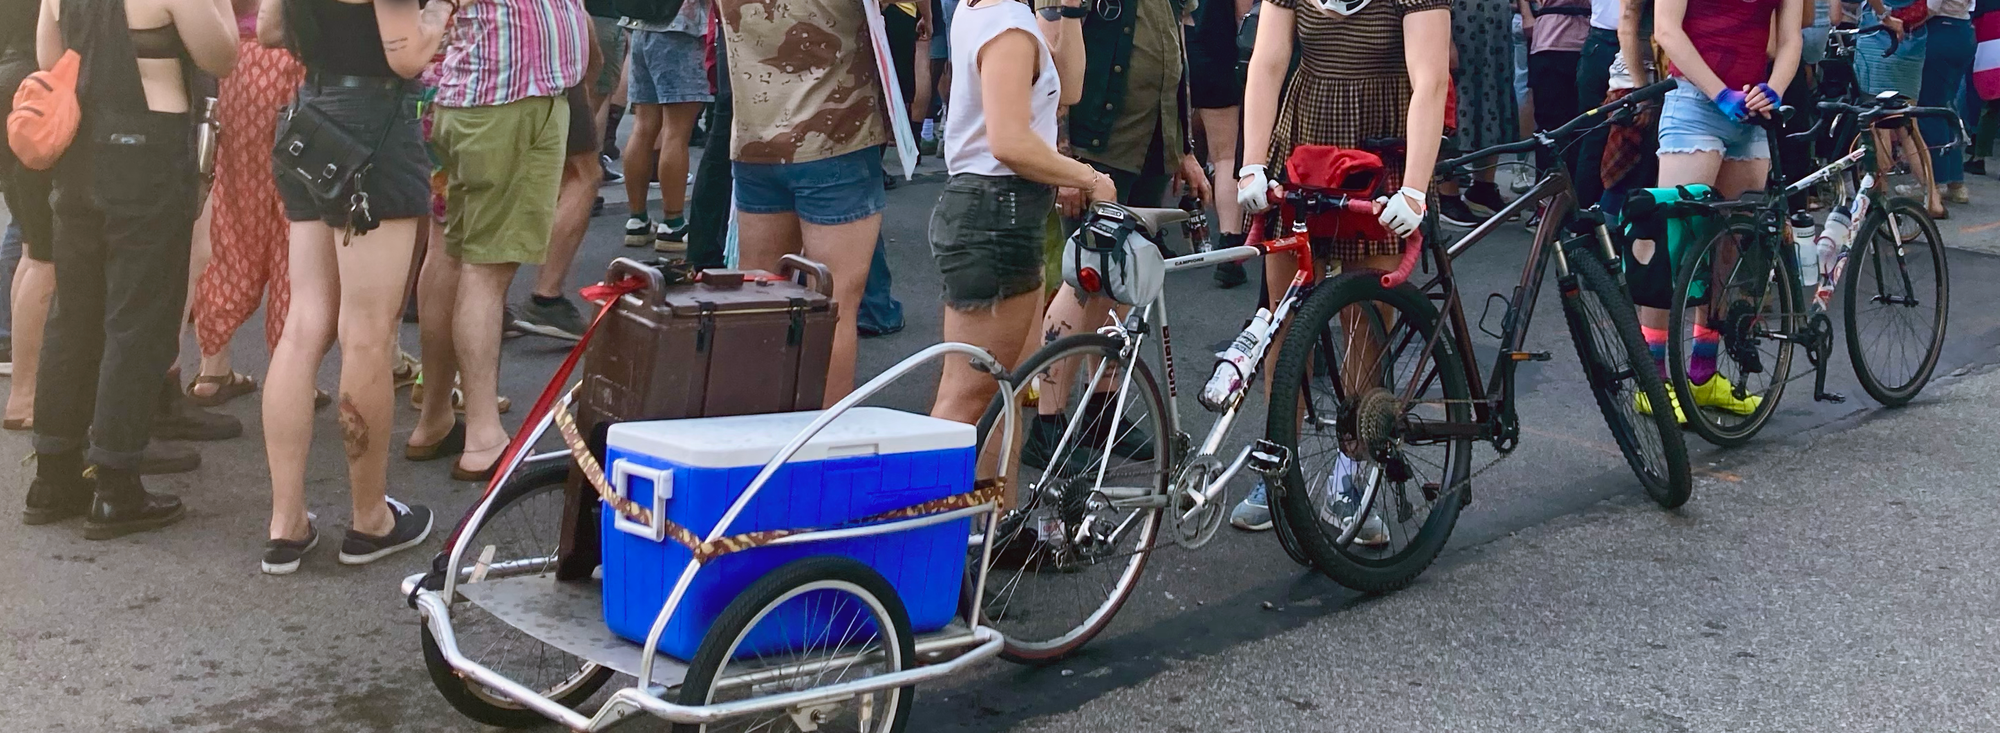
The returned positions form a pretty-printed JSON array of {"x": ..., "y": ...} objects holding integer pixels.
[
  {"x": 1818, "y": 340},
  {"x": 1196, "y": 521}
]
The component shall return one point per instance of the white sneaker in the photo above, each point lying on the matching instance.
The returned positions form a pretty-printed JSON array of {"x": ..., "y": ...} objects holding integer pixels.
[{"x": 1343, "y": 501}]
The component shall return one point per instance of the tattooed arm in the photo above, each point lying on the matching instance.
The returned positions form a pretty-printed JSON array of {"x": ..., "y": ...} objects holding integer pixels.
[{"x": 410, "y": 34}]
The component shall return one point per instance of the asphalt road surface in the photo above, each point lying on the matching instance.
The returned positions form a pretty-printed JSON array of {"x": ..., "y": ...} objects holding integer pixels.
[{"x": 1833, "y": 575}]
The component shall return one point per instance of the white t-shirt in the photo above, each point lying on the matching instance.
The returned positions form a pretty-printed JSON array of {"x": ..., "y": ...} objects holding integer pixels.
[
  {"x": 1604, "y": 14},
  {"x": 965, "y": 147}
]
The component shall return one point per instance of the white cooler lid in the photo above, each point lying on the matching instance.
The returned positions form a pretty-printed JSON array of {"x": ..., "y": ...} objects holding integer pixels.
[{"x": 752, "y": 440}]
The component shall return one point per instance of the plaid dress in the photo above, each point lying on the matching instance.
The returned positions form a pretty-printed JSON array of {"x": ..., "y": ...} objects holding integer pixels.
[{"x": 1351, "y": 86}]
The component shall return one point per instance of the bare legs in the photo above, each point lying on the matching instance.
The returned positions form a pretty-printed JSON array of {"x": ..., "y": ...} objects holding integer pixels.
[
  {"x": 437, "y": 296},
  {"x": 846, "y": 250},
  {"x": 352, "y": 294},
  {"x": 1222, "y": 132},
  {"x": 34, "y": 288},
  {"x": 475, "y": 331},
  {"x": 963, "y": 392},
  {"x": 1730, "y": 178},
  {"x": 640, "y": 156},
  {"x": 659, "y": 143},
  {"x": 677, "y": 123},
  {"x": 579, "y": 193}
]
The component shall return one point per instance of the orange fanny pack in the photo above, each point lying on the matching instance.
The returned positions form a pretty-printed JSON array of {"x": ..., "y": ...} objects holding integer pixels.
[{"x": 46, "y": 114}]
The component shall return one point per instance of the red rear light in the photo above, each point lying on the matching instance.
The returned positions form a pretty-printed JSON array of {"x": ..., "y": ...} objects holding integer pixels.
[{"x": 1088, "y": 280}]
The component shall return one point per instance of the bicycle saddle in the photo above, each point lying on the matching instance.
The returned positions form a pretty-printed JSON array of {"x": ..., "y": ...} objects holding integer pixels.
[{"x": 1153, "y": 223}]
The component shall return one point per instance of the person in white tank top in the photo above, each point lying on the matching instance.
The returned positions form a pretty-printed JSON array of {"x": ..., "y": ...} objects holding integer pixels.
[{"x": 1011, "y": 72}]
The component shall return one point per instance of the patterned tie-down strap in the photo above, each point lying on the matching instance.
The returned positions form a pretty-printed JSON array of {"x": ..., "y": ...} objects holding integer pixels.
[{"x": 984, "y": 491}]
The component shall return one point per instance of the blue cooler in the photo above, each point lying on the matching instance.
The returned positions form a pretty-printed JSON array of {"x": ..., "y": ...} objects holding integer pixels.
[{"x": 869, "y": 461}]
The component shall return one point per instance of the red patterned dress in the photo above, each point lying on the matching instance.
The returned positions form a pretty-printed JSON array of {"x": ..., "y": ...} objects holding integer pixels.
[{"x": 251, "y": 237}]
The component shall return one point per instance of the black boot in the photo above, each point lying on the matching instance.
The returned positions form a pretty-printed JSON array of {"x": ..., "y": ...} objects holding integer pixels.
[
  {"x": 180, "y": 419},
  {"x": 60, "y": 489},
  {"x": 123, "y": 506},
  {"x": 1230, "y": 274}
]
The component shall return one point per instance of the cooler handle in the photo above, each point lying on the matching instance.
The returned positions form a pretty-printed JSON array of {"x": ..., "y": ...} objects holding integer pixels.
[
  {"x": 819, "y": 277},
  {"x": 628, "y": 266},
  {"x": 622, "y": 473}
]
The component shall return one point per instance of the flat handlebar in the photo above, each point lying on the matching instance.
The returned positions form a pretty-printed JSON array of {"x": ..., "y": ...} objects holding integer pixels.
[{"x": 1589, "y": 118}]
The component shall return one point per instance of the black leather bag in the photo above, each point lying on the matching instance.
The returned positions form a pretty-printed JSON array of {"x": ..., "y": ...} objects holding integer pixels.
[{"x": 316, "y": 151}]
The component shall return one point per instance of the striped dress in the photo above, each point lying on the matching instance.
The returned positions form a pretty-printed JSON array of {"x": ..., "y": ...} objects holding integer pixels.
[{"x": 1351, "y": 86}]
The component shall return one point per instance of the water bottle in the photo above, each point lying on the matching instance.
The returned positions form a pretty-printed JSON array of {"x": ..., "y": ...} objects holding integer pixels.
[
  {"x": 1806, "y": 246},
  {"x": 1832, "y": 238},
  {"x": 1234, "y": 365}
]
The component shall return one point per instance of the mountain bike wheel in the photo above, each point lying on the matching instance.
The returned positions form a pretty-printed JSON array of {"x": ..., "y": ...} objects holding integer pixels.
[
  {"x": 1074, "y": 542},
  {"x": 1745, "y": 290},
  {"x": 1605, "y": 328},
  {"x": 1353, "y": 407},
  {"x": 1898, "y": 295},
  {"x": 521, "y": 530}
]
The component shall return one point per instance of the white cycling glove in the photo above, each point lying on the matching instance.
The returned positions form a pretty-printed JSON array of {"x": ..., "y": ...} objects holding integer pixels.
[
  {"x": 1253, "y": 189},
  {"x": 1397, "y": 214}
]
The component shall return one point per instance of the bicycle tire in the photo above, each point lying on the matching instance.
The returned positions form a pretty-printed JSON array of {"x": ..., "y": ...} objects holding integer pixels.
[
  {"x": 1039, "y": 644},
  {"x": 1605, "y": 329},
  {"x": 1867, "y": 251},
  {"x": 1784, "y": 284},
  {"x": 818, "y": 584},
  {"x": 1360, "y": 569},
  {"x": 461, "y": 692}
]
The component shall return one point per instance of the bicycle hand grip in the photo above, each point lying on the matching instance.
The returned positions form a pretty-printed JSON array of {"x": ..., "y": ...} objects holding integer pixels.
[{"x": 1412, "y": 247}]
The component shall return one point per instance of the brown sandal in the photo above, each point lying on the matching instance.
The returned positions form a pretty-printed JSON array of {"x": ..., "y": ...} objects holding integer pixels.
[
  {"x": 18, "y": 425},
  {"x": 460, "y": 473},
  {"x": 227, "y": 387},
  {"x": 453, "y": 443}
]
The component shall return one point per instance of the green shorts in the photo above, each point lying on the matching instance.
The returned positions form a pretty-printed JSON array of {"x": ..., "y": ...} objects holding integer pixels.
[{"x": 503, "y": 167}]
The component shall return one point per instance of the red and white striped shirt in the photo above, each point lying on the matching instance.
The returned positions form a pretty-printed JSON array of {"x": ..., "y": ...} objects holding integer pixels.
[{"x": 503, "y": 51}]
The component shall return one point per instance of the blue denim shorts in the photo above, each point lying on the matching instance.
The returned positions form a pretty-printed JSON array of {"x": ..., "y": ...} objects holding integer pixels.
[
  {"x": 1690, "y": 123},
  {"x": 837, "y": 190},
  {"x": 666, "y": 69}
]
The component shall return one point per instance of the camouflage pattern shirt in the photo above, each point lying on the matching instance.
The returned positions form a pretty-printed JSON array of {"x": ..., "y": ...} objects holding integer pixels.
[{"x": 804, "y": 80}]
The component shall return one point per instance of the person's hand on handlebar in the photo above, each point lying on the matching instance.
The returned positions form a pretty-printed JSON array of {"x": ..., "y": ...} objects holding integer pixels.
[
  {"x": 1253, "y": 189},
  {"x": 1760, "y": 99},
  {"x": 1402, "y": 212}
]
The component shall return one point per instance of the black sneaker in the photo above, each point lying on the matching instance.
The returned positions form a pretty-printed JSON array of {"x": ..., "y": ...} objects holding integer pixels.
[
  {"x": 638, "y": 231},
  {"x": 1133, "y": 442},
  {"x": 1452, "y": 210},
  {"x": 558, "y": 320},
  {"x": 611, "y": 173},
  {"x": 1043, "y": 435},
  {"x": 1230, "y": 274},
  {"x": 1976, "y": 166},
  {"x": 281, "y": 557},
  {"x": 1486, "y": 194},
  {"x": 672, "y": 239},
  {"x": 413, "y": 525}
]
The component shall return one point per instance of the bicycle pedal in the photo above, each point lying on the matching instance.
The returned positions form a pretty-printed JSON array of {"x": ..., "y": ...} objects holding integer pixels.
[
  {"x": 1530, "y": 355},
  {"x": 1269, "y": 459}
]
